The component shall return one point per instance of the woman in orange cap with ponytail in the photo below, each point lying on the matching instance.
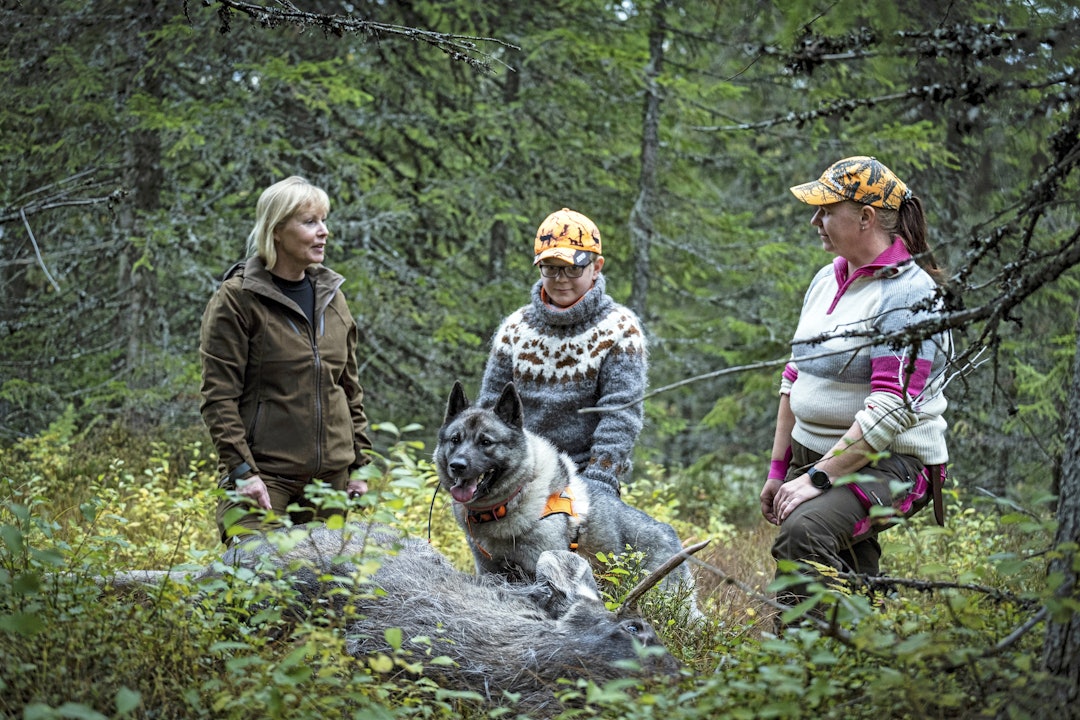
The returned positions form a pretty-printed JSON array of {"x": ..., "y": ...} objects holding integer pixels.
[{"x": 860, "y": 418}]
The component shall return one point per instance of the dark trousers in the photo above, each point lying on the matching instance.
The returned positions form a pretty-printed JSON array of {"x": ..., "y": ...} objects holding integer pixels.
[
  {"x": 283, "y": 492},
  {"x": 823, "y": 529}
]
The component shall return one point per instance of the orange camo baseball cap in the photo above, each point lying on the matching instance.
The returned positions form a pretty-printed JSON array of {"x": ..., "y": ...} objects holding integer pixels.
[
  {"x": 568, "y": 236},
  {"x": 860, "y": 178}
]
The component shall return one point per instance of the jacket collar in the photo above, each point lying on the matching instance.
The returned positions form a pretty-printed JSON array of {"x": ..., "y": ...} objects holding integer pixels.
[{"x": 257, "y": 279}]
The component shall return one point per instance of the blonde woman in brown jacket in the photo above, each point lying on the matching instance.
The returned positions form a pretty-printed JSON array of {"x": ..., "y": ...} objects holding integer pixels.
[{"x": 281, "y": 394}]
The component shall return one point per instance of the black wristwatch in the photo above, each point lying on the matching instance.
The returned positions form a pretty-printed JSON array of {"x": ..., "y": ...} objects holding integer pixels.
[{"x": 819, "y": 478}]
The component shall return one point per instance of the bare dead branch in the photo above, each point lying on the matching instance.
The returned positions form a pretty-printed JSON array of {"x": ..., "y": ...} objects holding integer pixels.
[
  {"x": 59, "y": 195},
  {"x": 906, "y": 335},
  {"x": 37, "y": 250},
  {"x": 632, "y": 598},
  {"x": 936, "y": 92},
  {"x": 993, "y": 312},
  {"x": 885, "y": 582},
  {"x": 462, "y": 48}
]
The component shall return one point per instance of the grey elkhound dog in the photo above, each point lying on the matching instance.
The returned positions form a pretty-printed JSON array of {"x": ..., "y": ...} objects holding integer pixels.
[{"x": 516, "y": 495}]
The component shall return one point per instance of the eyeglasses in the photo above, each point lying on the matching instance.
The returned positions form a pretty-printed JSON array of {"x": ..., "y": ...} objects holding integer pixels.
[{"x": 570, "y": 271}]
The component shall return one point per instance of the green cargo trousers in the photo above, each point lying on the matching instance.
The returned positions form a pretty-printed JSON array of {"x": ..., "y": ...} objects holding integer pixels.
[{"x": 823, "y": 529}]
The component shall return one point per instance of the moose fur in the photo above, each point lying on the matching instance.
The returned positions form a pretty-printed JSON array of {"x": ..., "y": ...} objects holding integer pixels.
[{"x": 502, "y": 636}]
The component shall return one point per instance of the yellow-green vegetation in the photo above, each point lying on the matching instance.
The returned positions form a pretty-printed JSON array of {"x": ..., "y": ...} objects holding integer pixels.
[{"x": 942, "y": 641}]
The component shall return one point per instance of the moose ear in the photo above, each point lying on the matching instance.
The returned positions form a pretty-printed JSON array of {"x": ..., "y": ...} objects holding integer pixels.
[
  {"x": 456, "y": 403},
  {"x": 508, "y": 407},
  {"x": 567, "y": 578}
]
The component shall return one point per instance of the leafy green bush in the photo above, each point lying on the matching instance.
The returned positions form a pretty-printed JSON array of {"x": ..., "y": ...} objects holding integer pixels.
[{"x": 949, "y": 634}]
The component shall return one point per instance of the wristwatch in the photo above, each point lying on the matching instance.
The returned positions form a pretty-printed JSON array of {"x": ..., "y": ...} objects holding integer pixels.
[{"x": 819, "y": 478}]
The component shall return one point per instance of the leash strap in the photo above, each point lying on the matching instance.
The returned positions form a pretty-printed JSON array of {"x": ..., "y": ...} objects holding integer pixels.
[{"x": 431, "y": 509}]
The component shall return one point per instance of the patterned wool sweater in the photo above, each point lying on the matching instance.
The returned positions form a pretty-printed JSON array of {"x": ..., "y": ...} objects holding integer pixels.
[
  {"x": 591, "y": 354},
  {"x": 898, "y": 403}
]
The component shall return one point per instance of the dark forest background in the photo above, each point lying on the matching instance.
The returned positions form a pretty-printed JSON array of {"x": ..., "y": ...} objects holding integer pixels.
[{"x": 136, "y": 136}]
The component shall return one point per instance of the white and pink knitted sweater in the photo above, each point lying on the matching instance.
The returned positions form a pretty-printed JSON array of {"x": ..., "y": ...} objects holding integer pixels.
[{"x": 895, "y": 393}]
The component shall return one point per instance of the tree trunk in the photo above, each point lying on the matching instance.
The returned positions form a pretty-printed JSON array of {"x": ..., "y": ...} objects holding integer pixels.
[
  {"x": 642, "y": 230},
  {"x": 500, "y": 235},
  {"x": 500, "y": 232},
  {"x": 1061, "y": 648},
  {"x": 145, "y": 177}
]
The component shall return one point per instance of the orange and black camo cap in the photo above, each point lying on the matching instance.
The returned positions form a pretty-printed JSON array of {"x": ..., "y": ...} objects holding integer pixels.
[
  {"x": 567, "y": 236},
  {"x": 861, "y": 178}
]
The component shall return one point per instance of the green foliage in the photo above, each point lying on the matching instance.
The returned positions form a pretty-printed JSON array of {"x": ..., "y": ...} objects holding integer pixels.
[
  {"x": 934, "y": 642},
  {"x": 140, "y": 182},
  {"x": 136, "y": 141},
  {"x": 711, "y": 496}
]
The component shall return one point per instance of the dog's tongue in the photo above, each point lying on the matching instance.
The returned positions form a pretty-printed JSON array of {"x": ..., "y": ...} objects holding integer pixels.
[{"x": 463, "y": 493}]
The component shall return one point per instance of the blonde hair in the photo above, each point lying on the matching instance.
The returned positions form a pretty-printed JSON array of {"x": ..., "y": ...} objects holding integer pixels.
[{"x": 276, "y": 205}]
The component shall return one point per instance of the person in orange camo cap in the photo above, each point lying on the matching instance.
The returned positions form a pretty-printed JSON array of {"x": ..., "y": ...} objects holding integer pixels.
[
  {"x": 860, "y": 422},
  {"x": 573, "y": 347}
]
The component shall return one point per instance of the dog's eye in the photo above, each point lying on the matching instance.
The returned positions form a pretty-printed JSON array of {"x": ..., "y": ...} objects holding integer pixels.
[
  {"x": 455, "y": 439},
  {"x": 483, "y": 441}
]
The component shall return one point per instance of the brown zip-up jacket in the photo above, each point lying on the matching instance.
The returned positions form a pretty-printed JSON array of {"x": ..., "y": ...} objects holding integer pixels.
[{"x": 277, "y": 394}]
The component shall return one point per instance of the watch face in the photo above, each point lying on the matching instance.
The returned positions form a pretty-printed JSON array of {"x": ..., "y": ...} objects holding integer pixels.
[{"x": 820, "y": 479}]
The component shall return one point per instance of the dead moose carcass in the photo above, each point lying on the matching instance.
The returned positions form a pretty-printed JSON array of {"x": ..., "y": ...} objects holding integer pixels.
[{"x": 502, "y": 636}]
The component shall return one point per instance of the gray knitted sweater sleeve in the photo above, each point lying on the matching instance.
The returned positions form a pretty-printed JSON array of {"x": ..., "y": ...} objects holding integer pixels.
[{"x": 561, "y": 360}]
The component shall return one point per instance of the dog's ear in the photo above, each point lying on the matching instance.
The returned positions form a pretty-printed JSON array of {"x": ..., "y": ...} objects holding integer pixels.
[
  {"x": 456, "y": 403},
  {"x": 508, "y": 407}
]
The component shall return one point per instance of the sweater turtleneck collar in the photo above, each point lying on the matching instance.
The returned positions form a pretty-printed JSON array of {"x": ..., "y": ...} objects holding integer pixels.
[{"x": 585, "y": 310}]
